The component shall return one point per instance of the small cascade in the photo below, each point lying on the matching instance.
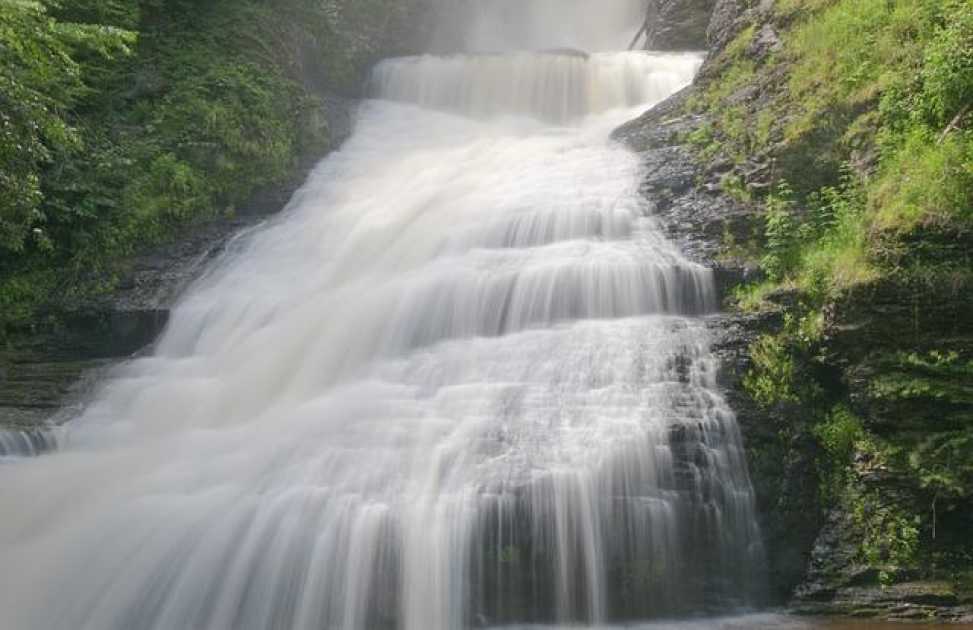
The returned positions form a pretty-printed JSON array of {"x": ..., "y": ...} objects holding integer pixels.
[
  {"x": 27, "y": 442},
  {"x": 558, "y": 87}
]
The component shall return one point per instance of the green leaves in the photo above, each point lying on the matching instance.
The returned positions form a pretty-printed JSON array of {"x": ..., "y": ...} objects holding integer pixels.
[
  {"x": 772, "y": 379},
  {"x": 783, "y": 238},
  {"x": 41, "y": 81},
  {"x": 947, "y": 72}
]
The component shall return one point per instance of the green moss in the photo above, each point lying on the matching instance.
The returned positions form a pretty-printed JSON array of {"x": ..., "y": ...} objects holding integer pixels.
[
  {"x": 703, "y": 139},
  {"x": 734, "y": 186},
  {"x": 753, "y": 297},
  {"x": 773, "y": 378},
  {"x": 926, "y": 182}
]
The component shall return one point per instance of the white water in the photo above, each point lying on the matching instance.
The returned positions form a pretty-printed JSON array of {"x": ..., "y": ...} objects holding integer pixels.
[
  {"x": 461, "y": 380},
  {"x": 27, "y": 443},
  {"x": 557, "y": 88}
]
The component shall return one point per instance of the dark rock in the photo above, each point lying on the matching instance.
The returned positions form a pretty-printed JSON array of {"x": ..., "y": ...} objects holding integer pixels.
[
  {"x": 686, "y": 196},
  {"x": 784, "y": 474},
  {"x": 766, "y": 41},
  {"x": 726, "y": 22},
  {"x": 680, "y": 24}
]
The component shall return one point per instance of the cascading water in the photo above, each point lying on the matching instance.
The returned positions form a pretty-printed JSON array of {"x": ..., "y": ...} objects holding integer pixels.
[{"x": 462, "y": 380}]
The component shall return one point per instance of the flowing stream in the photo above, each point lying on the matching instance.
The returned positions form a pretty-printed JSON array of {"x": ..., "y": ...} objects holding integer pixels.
[{"x": 462, "y": 380}]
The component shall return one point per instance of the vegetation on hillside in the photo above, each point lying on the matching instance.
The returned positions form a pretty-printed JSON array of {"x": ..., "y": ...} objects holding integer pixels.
[
  {"x": 123, "y": 120},
  {"x": 851, "y": 129}
]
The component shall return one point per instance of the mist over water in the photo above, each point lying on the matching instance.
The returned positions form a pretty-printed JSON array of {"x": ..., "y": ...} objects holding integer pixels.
[
  {"x": 516, "y": 25},
  {"x": 462, "y": 380}
]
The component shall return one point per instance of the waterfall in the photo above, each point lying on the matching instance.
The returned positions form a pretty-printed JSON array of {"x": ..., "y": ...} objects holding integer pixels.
[
  {"x": 462, "y": 380},
  {"x": 27, "y": 442},
  {"x": 559, "y": 86}
]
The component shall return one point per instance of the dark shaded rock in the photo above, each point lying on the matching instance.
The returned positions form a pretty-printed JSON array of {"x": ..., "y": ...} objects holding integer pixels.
[
  {"x": 906, "y": 601},
  {"x": 726, "y": 22},
  {"x": 54, "y": 365},
  {"x": 732, "y": 16},
  {"x": 871, "y": 331},
  {"x": 765, "y": 42},
  {"x": 37, "y": 382},
  {"x": 680, "y": 24}
]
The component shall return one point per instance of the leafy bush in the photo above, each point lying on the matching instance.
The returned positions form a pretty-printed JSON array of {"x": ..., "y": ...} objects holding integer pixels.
[
  {"x": 771, "y": 380},
  {"x": 783, "y": 239},
  {"x": 947, "y": 71},
  {"x": 41, "y": 80}
]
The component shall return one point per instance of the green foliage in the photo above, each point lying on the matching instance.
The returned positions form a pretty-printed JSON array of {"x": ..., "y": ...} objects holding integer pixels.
[
  {"x": 779, "y": 362},
  {"x": 841, "y": 435},
  {"x": 912, "y": 61},
  {"x": 891, "y": 80},
  {"x": 945, "y": 81},
  {"x": 868, "y": 142},
  {"x": 935, "y": 377},
  {"x": 118, "y": 13},
  {"x": 926, "y": 182},
  {"x": 704, "y": 140},
  {"x": 890, "y": 539},
  {"x": 847, "y": 52},
  {"x": 820, "y": 246},
  {"x": 835, "y": 256},
  {"x": 753, "y": 297},
  {"x": 947, "y": 73},
  {"x": 783, "y": 238},
  {"x": 41, "y": 80},
  {"x": 734, "y": 186},
  {"x": 771, "y": 380},
  {"x": 943, "y": 465}
]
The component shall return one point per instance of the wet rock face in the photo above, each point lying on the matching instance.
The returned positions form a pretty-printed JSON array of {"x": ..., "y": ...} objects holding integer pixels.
[
  {"x": 680, "y": 24},
  {"x": 784, "y": 474},
  {"x": 685, "y": 195}
]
